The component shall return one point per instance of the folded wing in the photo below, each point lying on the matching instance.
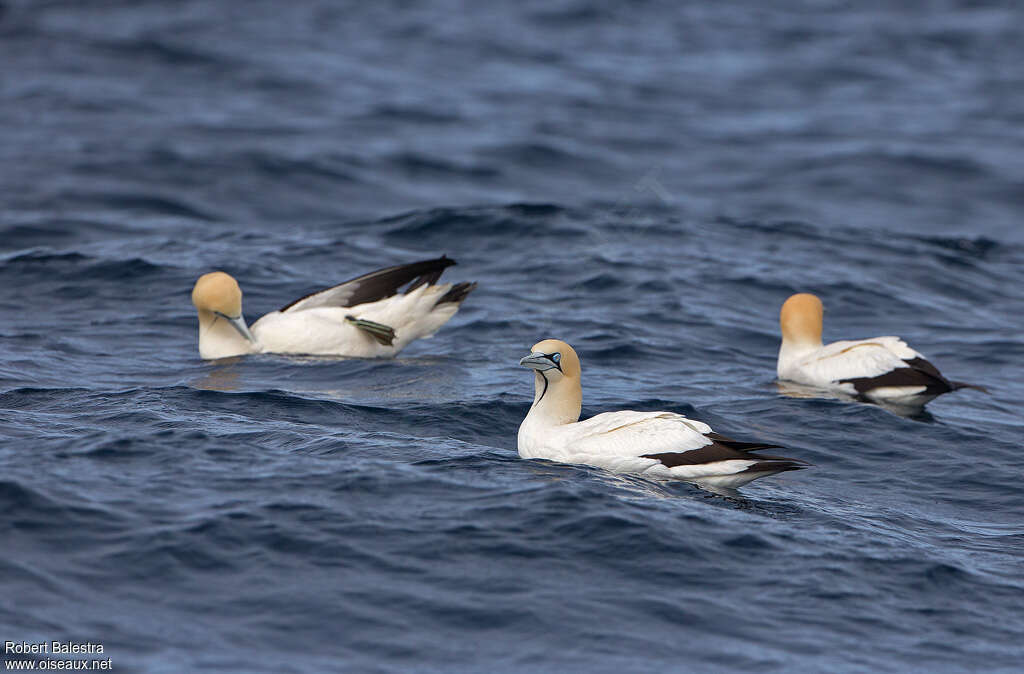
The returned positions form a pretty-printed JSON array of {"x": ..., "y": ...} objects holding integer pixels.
[
  {"x": 638, "y": 441},
  {"x": 880, "y": 363},
  {"x": 855, "y": 359},
  {"x": 636, "y": 433}
]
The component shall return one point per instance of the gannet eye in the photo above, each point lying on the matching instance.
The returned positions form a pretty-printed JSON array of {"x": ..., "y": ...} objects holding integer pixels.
[{"x": 556, "y": 357}]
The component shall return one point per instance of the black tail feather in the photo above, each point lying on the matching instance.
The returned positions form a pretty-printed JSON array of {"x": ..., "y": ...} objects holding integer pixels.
[
  {"x": 779, "y": 466},
  {"x": 957, "y": 385},
  {"x": 738, "y": 444},
  {"x": 457, "y": 293}
]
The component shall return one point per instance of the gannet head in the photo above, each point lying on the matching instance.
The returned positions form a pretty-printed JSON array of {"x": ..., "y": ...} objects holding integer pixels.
[
  {"x": 554, "y": 357},
  {"x": 800, "y": 319},
  {"x": 557, "y": 380},
  {"x": 217, "y": 296}
]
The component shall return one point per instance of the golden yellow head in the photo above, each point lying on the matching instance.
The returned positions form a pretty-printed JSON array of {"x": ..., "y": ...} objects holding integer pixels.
[
  {"x": 217, "y": 292},
  {"x": 801, "y": 318},
  {"x": 554, "y": 354}
]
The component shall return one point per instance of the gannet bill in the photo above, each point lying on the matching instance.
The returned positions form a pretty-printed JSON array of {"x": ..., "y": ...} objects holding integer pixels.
[
  {"x": 882, "y": 370},
  {"x": 366, "y": 317},
  {"x": 656, "y": 444}
]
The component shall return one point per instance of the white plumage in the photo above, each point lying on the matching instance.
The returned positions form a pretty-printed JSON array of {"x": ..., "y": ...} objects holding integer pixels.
[
  {"x": 325, "y": 330},
  {"x": 848, "y": 359},
  {"x": 657, "y": 444},
  {"x": 366, "y": 317},
  {"x": 881, "y": 369}
]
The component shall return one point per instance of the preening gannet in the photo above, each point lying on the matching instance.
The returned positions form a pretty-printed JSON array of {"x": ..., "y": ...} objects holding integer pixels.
[
  {"x": 366, "y": 317},
  {"x": 657, "y": 444},
  {"x": 883, "y": 369}
]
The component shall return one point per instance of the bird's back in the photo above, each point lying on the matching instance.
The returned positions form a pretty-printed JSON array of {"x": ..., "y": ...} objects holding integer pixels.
[
  {"x": 849, "y": 359},
  {"x": 617, "y": 435}
]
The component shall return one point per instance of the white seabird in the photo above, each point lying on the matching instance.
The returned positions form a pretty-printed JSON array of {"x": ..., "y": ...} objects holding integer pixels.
[
  {"x": 882, "y": 370},
  {"x": 366, "y": 317},
  {"x": 655, "y": 444}
]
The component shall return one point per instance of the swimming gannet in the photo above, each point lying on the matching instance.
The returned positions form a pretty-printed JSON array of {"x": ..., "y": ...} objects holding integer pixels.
[
  {"x": 883, "y": 369},
  {"x": 657, "y": 444},
  {"x": 366, "y": 317}
]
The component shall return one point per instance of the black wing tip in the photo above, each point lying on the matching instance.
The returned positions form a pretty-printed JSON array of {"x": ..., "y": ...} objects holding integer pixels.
[
  {"x": 740, "y": 445},
  {"x": 919, "y": 372},
  {"x": 387, "y": 282},
  {"x": 442, "y": 262},
  {"x": 427, "y": 272},
  {"x": 777, "y": 466},
  {"x": 724, "y": 449},
  {"x": 457, "y": 293}
]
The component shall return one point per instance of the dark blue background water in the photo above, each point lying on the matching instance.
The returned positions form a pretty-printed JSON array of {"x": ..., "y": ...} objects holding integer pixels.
[{"x": 646, "y": 182}]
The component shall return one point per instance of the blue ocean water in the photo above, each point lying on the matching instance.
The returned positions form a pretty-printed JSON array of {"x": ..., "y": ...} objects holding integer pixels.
[{"x": 648, "y": 182}]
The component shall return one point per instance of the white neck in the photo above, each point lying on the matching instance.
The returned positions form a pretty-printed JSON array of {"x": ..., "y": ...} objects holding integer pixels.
[
  {"x": 557, "y": 400},
  {"x": 219, "y": 339},
  {"x": 792, "y": 351}
]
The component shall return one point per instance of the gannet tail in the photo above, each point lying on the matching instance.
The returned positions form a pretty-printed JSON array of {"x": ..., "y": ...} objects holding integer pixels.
[
  {"x": 957, "y": 385},
  {"x": 457, "y": 293}
]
